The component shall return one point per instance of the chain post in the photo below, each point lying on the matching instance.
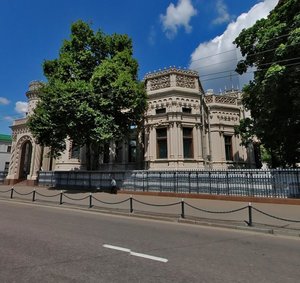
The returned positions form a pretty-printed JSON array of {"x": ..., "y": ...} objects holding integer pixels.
[
  {"x": 61, "y": 197},
  {"x": 182, "y": 208},
  {"x": 11, "y": 192},
  {"x": 91, "y": 205},
  {"x": 131, "y": 204},
  {"x": 249, "y": 222},
  {"x": 33, "y": 195}
]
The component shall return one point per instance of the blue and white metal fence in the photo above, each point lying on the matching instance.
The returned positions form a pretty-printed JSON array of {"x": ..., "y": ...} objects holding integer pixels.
[
  {"x": 3, "y": 175},
  {"x": 279, "y": 183}
]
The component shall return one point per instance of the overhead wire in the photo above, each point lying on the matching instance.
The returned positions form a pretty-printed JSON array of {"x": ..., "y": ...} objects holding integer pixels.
[
  {"x": 235, "y": 59},
  {"x": 235, "y": 49},
  {"x": 248, "y": 72}
]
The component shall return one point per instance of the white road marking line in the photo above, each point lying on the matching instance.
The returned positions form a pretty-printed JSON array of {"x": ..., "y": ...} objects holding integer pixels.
[
  {"x": 135, "y": 254},
  {"x": 149, "y": 257},
  {"x": 117, "y": 248}
]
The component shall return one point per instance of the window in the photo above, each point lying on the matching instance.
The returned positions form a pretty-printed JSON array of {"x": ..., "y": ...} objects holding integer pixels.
[
  {"x": 106, "y": 153},
  {"x": 119, "y": 152},
  {"x": 187, "y": 142},
  {"x": 160, "y": 111},
  {"x": 228, "y": 147},
  {"x": 6, "y": 166},
  {"x": 162, "y": 143},
  {"x": 132, "y": 151},
  {"x": 75, "y": 150},
  {"x": 8, "y": 148},
  {"x": 186, "y": 110}
]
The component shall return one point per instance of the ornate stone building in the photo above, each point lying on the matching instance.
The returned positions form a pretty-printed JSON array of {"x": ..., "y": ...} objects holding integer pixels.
[
  {"x": 176, "y": 121},
  {"x": 184, "y": 128}
]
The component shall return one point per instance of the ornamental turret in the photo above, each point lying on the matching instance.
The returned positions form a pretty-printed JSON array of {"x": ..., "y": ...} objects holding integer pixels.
[{"x": 33, "y": 95}]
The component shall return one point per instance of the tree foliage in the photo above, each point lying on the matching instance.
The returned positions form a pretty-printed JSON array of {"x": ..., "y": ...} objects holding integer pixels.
[
  {"x": 92, "y": 95},
  {"x": 271, "y": 45}
]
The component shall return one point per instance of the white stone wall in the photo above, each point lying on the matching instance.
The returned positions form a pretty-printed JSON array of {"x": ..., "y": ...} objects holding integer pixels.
[{"x": 4, "y": 155}]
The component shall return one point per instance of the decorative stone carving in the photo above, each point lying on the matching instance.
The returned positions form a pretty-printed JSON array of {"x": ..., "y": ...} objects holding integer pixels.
[
  {"x": 185, "y": 81},
  {"x": 225, "y": 100},
  {"x": 209, "y": 99},
  {"x": 160, "y": 82},
  {"x": 172, "y": 71}
]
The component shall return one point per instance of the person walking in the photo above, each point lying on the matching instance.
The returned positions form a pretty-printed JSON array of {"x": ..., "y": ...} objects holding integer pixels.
[{"x": 113, "y": 186}]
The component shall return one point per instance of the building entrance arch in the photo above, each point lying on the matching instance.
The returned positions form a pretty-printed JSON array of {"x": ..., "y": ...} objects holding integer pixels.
[{"x": 26, "y": 154}]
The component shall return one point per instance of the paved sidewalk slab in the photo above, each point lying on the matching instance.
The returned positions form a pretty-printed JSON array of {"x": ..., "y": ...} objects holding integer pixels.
[{"x": 225, "y": 211}]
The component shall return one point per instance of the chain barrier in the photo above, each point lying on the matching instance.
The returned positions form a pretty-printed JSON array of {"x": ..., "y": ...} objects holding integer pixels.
[
  {"x": 75, "y": 198},
  {"x": 5, "y": 191},
  {"x": 104, "y": 202},
  {"x": 131, "y": 199},
  {"x": 23, "y": 194},
  {"x": 276, "y": 217},
  {"x": 42, "y": 195},
  {"x": 216, "y": 212},
  {"x": 151, "y": 204}
]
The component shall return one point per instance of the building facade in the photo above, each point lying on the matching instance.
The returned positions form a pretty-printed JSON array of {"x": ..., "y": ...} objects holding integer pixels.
[
  {"x": 5, "y": 152},
  {"x": 184, "y": 128}
]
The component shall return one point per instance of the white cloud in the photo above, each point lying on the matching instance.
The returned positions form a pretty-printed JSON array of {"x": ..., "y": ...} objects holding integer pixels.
[
  {"x": 223, "y": 15},
  {"x": 152, "y": 36},
  {"x": 4, "y": 101},
  {"x": 21, "y": 107},
  {"x": 220, "y": 55},
  {"x": 8, "y": 118},
  {"x": 177, "y": 16}
]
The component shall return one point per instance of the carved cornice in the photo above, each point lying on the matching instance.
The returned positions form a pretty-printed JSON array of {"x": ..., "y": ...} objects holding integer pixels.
[{"x": 171, "y": 70}]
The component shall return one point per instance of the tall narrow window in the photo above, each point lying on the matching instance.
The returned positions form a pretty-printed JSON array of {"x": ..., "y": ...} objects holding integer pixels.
[
  {"x": 187, "y": 142},
  {"x": 228, "y": 147},
  {"x": 6, "y": 166},
  {"x": 132, "y": 150},
  {"x": 119, "y": 152},
  {"x": 106, "y": 153},
  {"x": 162, "y": 143},
  {"x": 75, "y": 150},
  {"x": 9, "y": 148}
]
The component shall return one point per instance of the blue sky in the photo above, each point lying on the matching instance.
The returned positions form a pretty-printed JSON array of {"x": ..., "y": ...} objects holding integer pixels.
[{"x": 195, "y": 34}]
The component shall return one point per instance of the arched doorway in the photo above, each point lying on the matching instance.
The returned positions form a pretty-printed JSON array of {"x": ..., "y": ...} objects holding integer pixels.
[{"x": 26, "y": 151}]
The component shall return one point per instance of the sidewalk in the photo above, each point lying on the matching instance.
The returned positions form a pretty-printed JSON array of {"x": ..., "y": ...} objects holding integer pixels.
[{"x": 212, "y": 212}]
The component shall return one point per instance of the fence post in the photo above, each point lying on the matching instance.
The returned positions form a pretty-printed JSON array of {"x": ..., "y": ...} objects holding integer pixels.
[
  {"x": 11, "y": 192},
  {"x": 91, "y": 205},
  {"x": 227, "y": 182},
  {"x": 189, "y": 182},
  {"x": 60, "y": 198},
  {"x": 182, "y": 208},
  {"x": 131, "y": 204},
  {"x": 249, "y": 222},
  {"x": 160, "y": 184},
  {"x": 33, "y": 195}
]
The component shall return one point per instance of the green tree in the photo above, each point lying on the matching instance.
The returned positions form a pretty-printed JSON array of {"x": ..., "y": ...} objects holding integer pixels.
[
  {"x": 92, "y": 95},
  {"x": 271, "y": 45}
]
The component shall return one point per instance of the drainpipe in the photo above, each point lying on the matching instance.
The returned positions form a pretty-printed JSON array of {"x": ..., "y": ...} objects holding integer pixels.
[{"x": 209, "y": 139}]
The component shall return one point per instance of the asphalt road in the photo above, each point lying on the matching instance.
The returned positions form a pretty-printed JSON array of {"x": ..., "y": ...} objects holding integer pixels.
[{"x": 51, "y": 244}]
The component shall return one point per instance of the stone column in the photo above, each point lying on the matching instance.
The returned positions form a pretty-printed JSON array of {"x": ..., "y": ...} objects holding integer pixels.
[
  {"x": 179, "y": 141},
  {"x": 171, "y": 140},
  {"x": 36, "y": 159}
]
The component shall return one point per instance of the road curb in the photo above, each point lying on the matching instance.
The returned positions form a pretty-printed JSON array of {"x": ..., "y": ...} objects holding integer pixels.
[{"x": 288, "y": 201}]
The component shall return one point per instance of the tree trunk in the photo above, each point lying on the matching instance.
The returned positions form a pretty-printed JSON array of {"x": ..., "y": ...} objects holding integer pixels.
[{"x": 88, "y": 156}]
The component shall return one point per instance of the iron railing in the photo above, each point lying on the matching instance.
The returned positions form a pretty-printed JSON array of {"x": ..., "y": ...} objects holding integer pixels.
[
  {"x": 278, "y": 183},
  {"x": 3, "y": 175}
]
